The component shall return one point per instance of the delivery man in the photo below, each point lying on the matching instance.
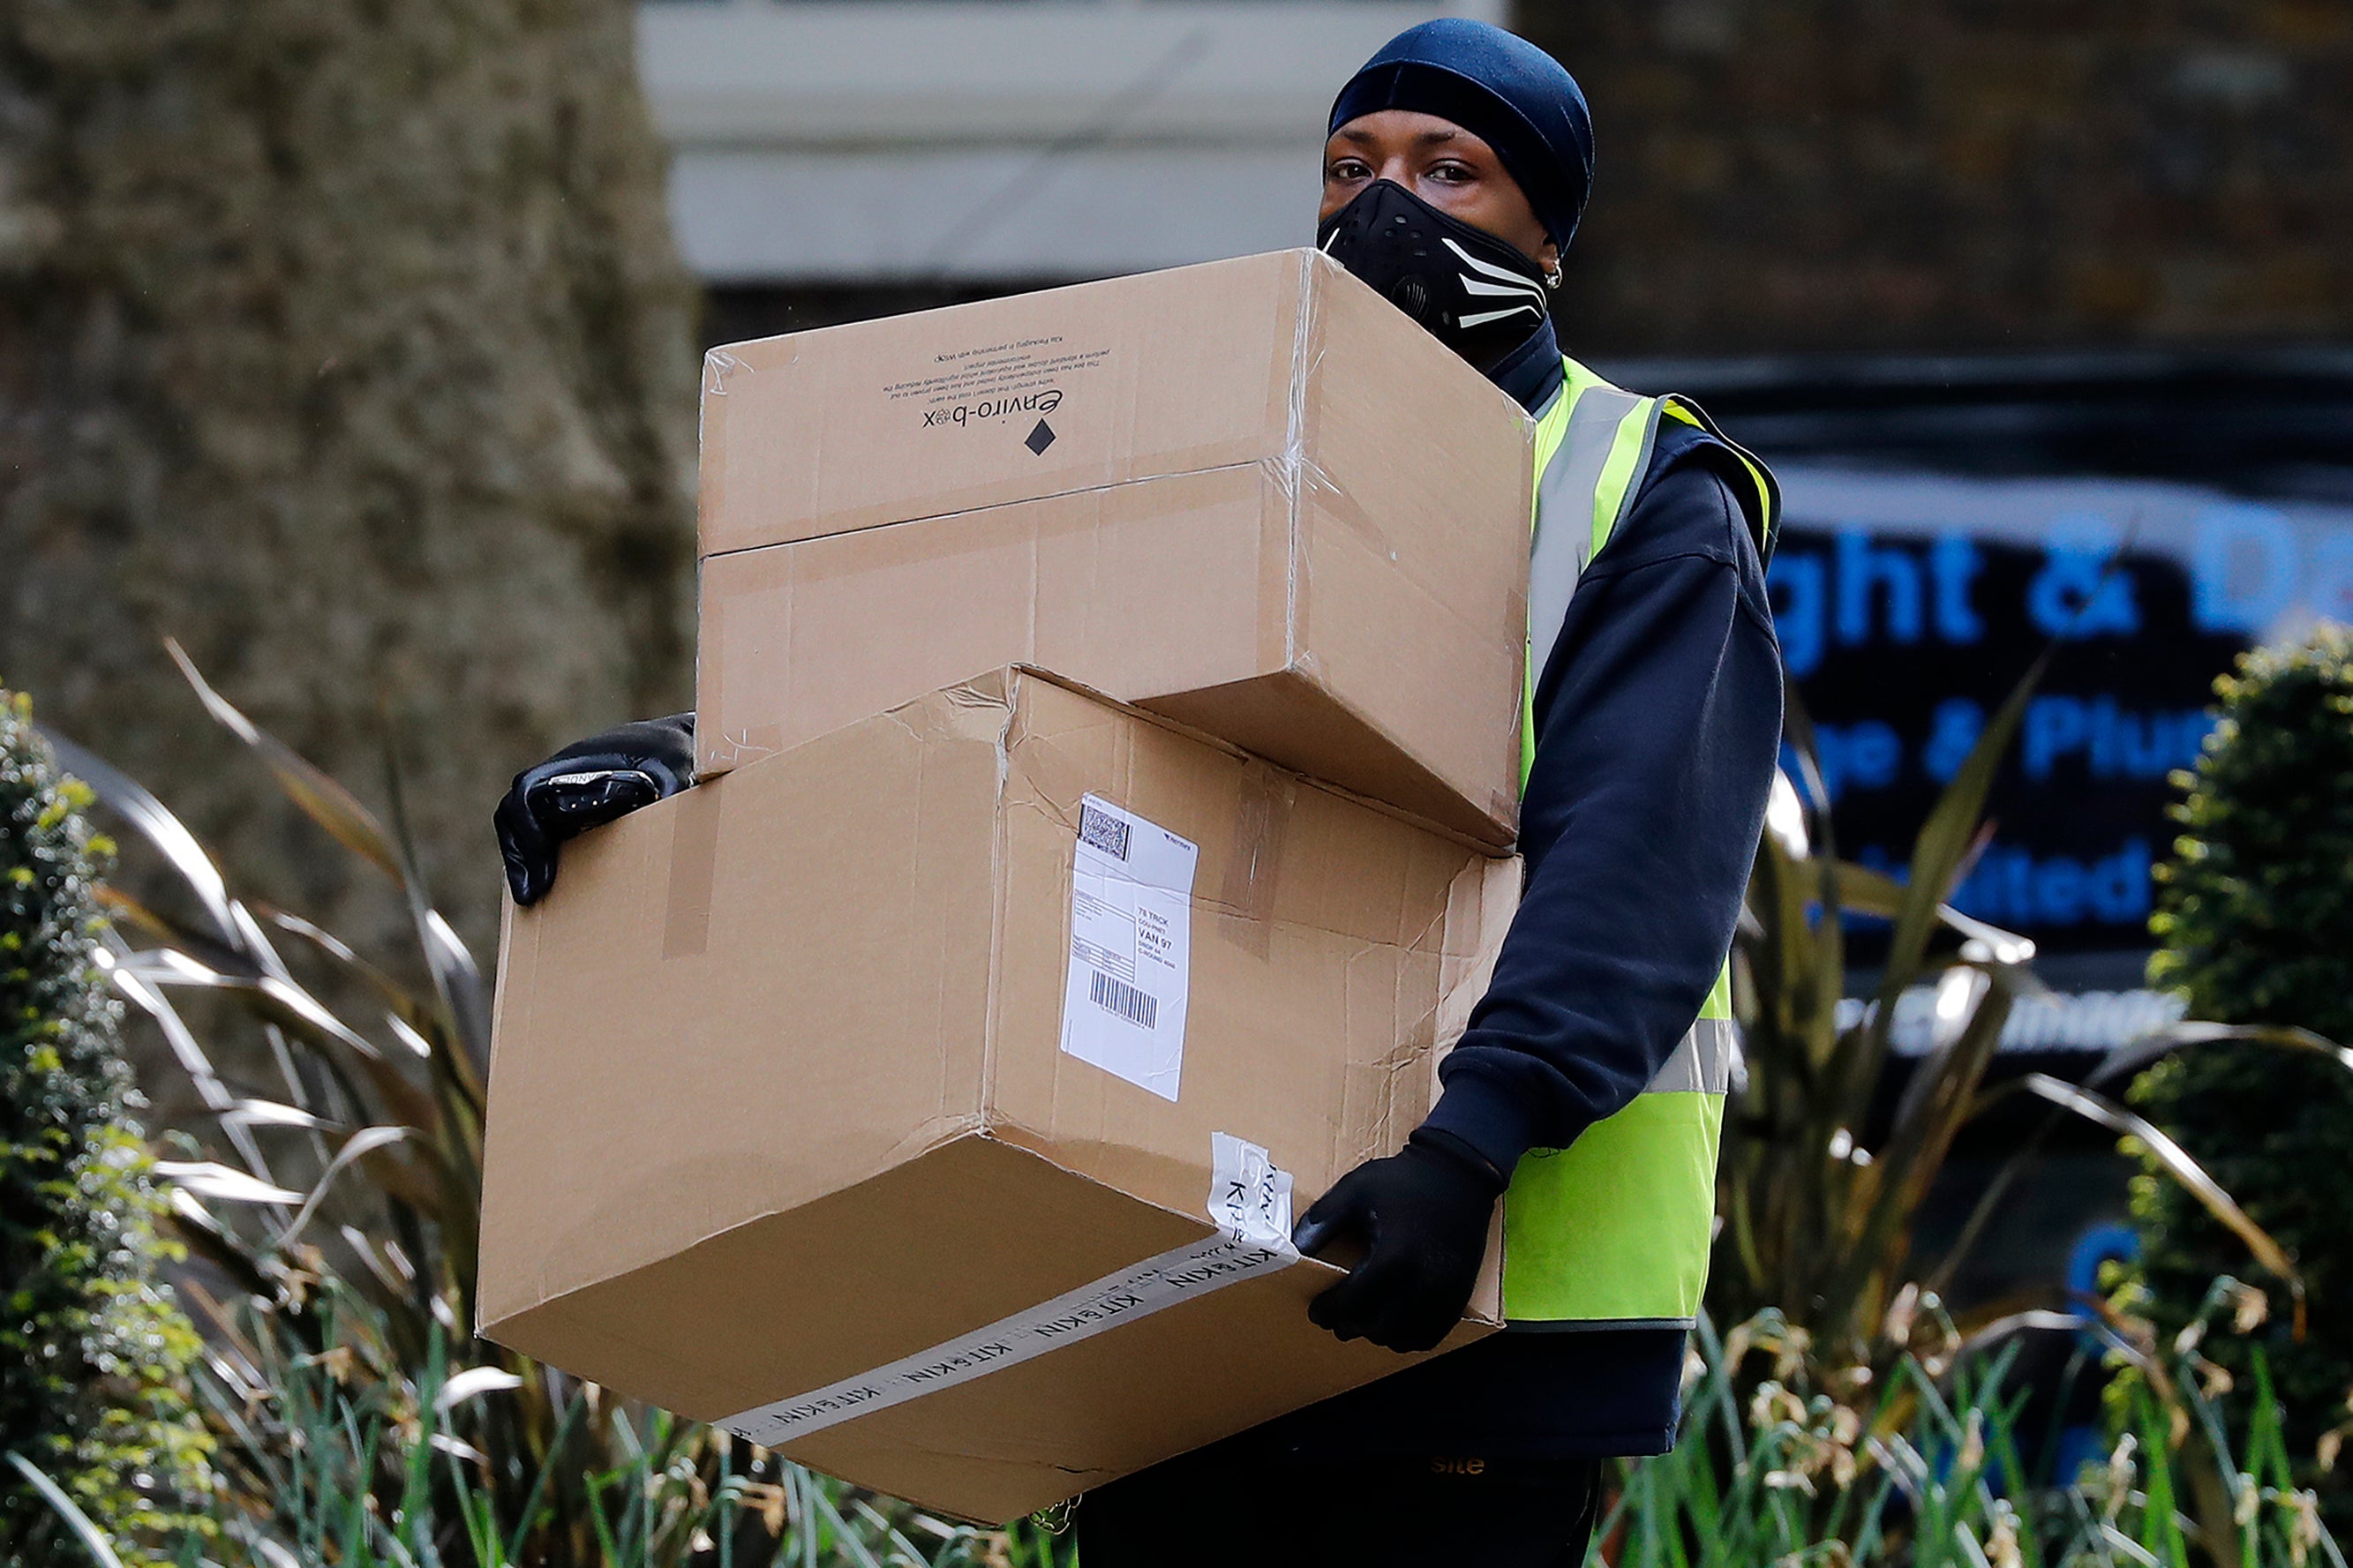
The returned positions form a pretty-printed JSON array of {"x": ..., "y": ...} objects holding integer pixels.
[{"x": 1588, "y": 1094}]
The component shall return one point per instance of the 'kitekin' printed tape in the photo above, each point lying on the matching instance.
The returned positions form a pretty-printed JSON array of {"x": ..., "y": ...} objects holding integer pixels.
[{"x": 1250, "y": 1200}]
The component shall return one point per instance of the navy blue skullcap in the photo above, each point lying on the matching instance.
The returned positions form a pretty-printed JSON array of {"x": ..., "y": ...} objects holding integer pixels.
[{"x": 1500, "y": 87}]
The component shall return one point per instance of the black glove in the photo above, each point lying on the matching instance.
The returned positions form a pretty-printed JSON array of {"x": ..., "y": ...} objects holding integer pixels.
[
  {"x": 585, "y": 785},
  {"x": 1422, "y": 1215}
]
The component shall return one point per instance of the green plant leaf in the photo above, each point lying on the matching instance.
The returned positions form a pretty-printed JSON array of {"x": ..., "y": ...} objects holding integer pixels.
[{"x": 1950, "y": 833}]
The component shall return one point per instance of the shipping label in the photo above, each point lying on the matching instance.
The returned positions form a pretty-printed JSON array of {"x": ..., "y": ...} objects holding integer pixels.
[{"x": 1131, "y": 947}]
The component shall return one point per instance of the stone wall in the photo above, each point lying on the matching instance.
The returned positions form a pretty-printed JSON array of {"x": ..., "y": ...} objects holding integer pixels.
[{"x": 1960, "y": 174}]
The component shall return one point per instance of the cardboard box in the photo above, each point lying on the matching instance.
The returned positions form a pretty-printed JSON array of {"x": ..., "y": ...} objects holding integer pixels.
[
  {"x": 1250, "y": 495},
  {"x": 841, "y": 1061}
]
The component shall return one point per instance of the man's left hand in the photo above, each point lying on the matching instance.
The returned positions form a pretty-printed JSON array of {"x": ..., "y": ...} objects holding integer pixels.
[{"x": 1422, "y": 1215}]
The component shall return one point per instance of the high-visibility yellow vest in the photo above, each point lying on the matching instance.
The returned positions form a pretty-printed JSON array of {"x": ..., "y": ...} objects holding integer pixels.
[{"x": 1614, "y": 1231}]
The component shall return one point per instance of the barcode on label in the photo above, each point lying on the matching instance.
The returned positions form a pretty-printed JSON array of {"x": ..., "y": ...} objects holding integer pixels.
[
  {"x": 1114, "y": 995},
  {"x": 1103, "y": 831}
]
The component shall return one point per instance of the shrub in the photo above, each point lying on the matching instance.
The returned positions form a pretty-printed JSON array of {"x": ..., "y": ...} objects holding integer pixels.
[
  {"x": 2255, "y": 925},
  {"x": 94, "y": 1354},
  {"x": 1819, "y": 1230}
]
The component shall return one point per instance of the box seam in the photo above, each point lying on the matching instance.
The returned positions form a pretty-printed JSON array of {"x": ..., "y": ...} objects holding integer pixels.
[{"x": 1260, "y": 461}]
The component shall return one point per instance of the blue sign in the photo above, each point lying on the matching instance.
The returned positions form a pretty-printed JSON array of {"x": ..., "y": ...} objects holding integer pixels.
[{"x": 1909, "y": 605}]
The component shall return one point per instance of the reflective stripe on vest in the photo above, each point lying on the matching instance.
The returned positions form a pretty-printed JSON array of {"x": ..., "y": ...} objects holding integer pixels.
[{"x": 1614, "y": 1231}]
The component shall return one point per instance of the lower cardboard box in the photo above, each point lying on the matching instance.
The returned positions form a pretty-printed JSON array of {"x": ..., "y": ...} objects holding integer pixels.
[{"x": 930, "y": 1101}]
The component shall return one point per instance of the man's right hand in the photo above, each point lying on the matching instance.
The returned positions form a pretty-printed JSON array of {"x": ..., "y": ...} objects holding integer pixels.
[
  {"x": 1422, "y": 1216},
  {"x": 587, "y": 785}
]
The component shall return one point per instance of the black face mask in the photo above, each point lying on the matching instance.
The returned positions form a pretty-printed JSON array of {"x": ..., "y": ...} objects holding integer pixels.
[{"x": 1475, "y": 293}]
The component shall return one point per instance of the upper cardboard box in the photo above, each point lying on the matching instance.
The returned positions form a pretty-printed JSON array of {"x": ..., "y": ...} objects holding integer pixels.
[
  {"x": 930, "y": 1029},
  {"x": 1282, "y": 359},
  {"x": 1250, "y": 495}
]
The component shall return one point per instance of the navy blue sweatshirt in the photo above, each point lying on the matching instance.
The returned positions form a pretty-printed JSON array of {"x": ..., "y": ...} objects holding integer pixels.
[{"x": 1658, "y": 722}]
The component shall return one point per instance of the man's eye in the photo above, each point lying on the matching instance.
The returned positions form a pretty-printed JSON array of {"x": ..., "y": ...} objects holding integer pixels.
[
  {"x": 1347, "y": 169},
  {"x": 1452, "y": 173}
]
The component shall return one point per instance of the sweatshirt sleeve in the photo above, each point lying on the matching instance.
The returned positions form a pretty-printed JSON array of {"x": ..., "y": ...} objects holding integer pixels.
[{"x": 1658, "y": 723}]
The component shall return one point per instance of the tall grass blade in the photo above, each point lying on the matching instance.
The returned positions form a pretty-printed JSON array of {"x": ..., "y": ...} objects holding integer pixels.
[
  {"x": 527, "y": 1517},
  {"x": 114, "y": 958},
  {"x": 129, "y": 800},
  {"x": 2178, "y": 1164},
  {"x": 2127, "y": 1061},
  {"x": 456, "y": 979},
  {"x": 359, "y": 1146},
  {"x": 318, "y": 795},
  {"x": 210, "y": 1179},
  {"x": 78, "y": 1523},
  {"x": 1950, "y": 834}
]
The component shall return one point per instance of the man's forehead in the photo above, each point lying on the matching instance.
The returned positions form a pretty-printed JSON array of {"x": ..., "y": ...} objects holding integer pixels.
[{"x": 1404, "y": 125}]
